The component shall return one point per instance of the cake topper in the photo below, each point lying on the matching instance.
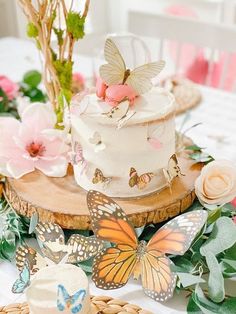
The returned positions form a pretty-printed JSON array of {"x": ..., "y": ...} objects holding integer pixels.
[
  {"x": 100, "y": 178},
  {"x": 67, "y": 302},
  {"x": 173, "y": 170},
  {"x": 114, "y": 266},
  {"x": 115, "y": 71},
  {"x": 139, "y": 181},
  {"x": 96, "y": 140}
]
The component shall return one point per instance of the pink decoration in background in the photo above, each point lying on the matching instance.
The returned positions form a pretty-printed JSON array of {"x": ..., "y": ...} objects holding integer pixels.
[
  {"x": 10, "y": 88},
  {"x": 78, "y": 78},
  {"x": 33, "y": 143},
  {"x": 197, "y": 71}
]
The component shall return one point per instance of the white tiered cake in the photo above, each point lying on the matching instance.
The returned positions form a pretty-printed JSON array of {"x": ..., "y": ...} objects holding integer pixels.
[{"x": 124, "y": 135}]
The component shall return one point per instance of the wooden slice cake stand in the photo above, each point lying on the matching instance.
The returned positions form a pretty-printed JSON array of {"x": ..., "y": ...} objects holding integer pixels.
[{"x": 61, "y": 201}]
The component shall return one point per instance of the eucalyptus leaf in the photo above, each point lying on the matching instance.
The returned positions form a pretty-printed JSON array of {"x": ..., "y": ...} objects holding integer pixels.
[
  {"x": 216, "y": 281},
  {"x": 228, "y": 307},
  {"x": 207, "y": 306},
  {"x": 192, "y": 307},
  {"x": 187, "y": 279},
  {"x": 33, "y": 222},
  {"x": 223, "y": 236},
  {"x": 230, "y": 262}
]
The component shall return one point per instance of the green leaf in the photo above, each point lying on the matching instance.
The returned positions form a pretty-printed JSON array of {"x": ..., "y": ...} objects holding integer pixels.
[
  {"x": 33, "y": 222},
  {"x": 35, "y": 95},
  {"x": 187, "y": 279},
  {"x": 207, "y": 306},
  {"x": 75, "y": 24},
  {"x": 228, "y": 307},
  {"x": 32, "y": 78},
  {"x": 213, "y": 215},
  {"x": 59, "y": 33},
  {"x": 223, "y": 236},
  {"x": 201, "y": 157},
  {"x": 87, "y": 266},
  {"x": 194, "y": 148},
  {"x": 32, "y": 30},
  {"x": 216, "y": 281},
  {"x": 192, "y": 307},
  {"x": 230, "y": 262}
]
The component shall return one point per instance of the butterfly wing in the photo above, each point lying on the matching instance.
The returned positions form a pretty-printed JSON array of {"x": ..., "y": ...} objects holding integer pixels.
[
  {"x": 123, "y": 121},
  {"x": 62, "y": 298},
  {"x": 157, "y": 278},
  {"x": 113, "y": 266},
  {"x": 109, "y": 222},
  {"x": 118, "y": 112},
  {"x": 144, "y": 179},
  {"x": 176, "y": 236},
  {"x": 76, "y": 301},
  {"x": 140, "y": 78},
  {"x": 35, "y": 260},
  {"x": 52, "y": 241},
  {"x": 113, "y": 72},
  {"x": 82, "y": 248},
  {"x": 23, "y": 281},
  {"x": 98, "y": 176},
  {"x": 173, "y": 167}
]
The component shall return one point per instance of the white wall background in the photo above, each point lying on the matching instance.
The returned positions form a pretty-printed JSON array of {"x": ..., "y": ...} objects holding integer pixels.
[{"x": 111, "y": 16}]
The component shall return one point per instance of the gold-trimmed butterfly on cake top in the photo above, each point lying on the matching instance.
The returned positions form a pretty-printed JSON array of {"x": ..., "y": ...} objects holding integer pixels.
[
  {"x": 172, "y": 171},
  {"x": 140, "y": 181},
  {"x": 96, "y": 141},
  {"x": 116, "y": 72},
  {"x": 99, "y": 177},
  {"x": 121, "y": 114},
  {"x": 113, "y": 266}
]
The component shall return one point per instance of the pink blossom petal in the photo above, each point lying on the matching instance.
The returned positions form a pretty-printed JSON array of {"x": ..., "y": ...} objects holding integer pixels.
[
  {"x": 19, "y": 167},
  {"x": 55, "y": 168},
  {"x": 3, "y": 167},
  {"x": 39, "y": 116}
]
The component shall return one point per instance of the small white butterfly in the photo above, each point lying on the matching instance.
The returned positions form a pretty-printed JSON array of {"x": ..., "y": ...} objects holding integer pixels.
[
  {"x": 172, "y": 171},
  {"x": 96, "y": 140},
  {"x": 121, "y": 114},
  {"x": 77, "y": 157},
  {"x": 115, "y": 71},
  {"x": 153, "y": 137}
]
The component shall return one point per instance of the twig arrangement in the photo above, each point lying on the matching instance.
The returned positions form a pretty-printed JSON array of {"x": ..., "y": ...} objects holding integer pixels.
[{"x": 48, "y": 19}]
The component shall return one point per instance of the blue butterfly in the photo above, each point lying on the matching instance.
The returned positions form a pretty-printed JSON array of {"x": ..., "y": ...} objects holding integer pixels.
[
  {"x": 65, "y": 301},
  {"x": 23, "y": 282}
]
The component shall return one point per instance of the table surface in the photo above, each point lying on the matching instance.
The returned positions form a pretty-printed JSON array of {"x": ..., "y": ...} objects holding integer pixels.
[{"x": 217, "y": 132}]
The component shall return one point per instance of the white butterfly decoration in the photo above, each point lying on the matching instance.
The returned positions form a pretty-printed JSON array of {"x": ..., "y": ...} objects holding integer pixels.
[
  {"x": 121, "y": 114},
  {"x": 77, "y": 158},
  {"x": 96, "y": 140},
  {"x": 79, "y": 103},
  {"x": 153, "y": 137},
  {"x": 115, "y": 71},
  {"x": 172, "y": 171}
]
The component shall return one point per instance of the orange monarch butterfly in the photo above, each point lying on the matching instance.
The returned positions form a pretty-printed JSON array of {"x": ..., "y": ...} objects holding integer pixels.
[
  {"x": 113, "y": 266},
  {"x": 140, "y": 181}
]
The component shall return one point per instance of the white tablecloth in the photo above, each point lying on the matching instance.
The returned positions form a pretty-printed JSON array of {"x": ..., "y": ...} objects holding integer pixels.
[{"x": 217, "y": 113}]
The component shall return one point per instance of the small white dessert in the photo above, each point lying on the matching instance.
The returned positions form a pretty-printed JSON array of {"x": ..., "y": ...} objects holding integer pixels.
[
  {"x": 127, "y": 161},
  {"x": 59, "y": 289}
]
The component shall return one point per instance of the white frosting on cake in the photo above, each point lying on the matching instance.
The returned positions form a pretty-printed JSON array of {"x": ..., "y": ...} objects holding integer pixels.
[
  {"x": 126, "y": 147},
  {"x": 42, "y": 293}
]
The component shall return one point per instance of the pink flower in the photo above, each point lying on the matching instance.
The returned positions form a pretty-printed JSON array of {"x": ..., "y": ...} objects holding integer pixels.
[
  {"x": 234, "y": 219},
  {"x": 233, "y": 202},
  {"x": 10, "y": 88},
  {"x": 78, "y": 82},
  {"x": 32, "y": 143}
]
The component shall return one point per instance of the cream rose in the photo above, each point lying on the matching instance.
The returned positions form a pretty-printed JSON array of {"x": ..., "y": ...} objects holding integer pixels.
[{"x": 216, "y": 184}]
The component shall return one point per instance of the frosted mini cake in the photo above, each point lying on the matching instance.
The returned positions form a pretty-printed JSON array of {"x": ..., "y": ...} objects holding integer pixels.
[{"x": 59, "y": 289}]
